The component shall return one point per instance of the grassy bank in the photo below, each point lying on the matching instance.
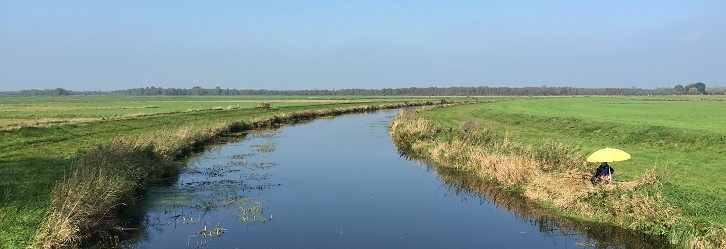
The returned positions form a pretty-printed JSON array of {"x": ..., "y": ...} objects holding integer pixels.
[
  {"x": 37, "y": 163},
  {"x": 672, "y": 187}
]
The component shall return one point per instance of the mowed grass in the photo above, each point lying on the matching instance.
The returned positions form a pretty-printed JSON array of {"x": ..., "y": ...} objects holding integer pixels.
[
  {"x": 684, "y": 112},
  {"x": 34, "y": 159},
  {"x": 682, "y": 139}
]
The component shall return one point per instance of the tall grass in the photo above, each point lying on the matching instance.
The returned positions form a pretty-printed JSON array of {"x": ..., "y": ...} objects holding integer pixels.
[
  {"x": 500, "y": 158},
  {"x": 101, "y": 183},
  {"x": 547, "y": 220}
]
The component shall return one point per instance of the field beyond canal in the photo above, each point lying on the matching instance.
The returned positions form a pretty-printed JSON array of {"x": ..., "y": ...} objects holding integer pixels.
[
  {"x": 673, "y": 187},
  {"x": 47, "y": 141}
]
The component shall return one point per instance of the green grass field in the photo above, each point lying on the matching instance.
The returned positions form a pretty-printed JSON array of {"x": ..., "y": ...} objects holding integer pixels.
[
  {"x": 682, "y": 138},
  {"x": 37, "y": 111},
  {"x": 36, "y": 157}
]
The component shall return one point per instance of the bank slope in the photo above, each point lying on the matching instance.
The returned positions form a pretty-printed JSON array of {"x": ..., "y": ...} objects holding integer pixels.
[{"x": 542, "y": 157}]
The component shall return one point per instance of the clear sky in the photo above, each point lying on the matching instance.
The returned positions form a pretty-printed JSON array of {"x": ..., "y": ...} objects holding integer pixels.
[{"x": 268, "y": 44}]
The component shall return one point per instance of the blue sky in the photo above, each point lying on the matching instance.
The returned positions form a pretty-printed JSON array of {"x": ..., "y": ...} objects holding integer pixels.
[{"x": 107, "y": 45}]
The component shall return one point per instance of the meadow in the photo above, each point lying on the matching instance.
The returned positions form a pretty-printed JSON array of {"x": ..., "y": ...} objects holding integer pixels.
[
  {"x": 18, "y": 112},
  {"x": 38, "y": 156},
  {"x": 676, "y": 141}
]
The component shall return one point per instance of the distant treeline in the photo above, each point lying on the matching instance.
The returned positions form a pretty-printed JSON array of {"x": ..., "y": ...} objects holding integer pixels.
[
  {"x": 695, "y": 88},
  {"x": 412, "y": 91},
  {"x": 52, "y": 92}
]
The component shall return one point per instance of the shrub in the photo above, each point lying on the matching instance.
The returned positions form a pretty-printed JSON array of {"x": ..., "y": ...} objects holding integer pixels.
[{"x": 101, "y": 183}]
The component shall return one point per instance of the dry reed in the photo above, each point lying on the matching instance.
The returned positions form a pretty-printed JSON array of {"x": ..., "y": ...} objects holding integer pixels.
[{"x": 101, "y": 182}]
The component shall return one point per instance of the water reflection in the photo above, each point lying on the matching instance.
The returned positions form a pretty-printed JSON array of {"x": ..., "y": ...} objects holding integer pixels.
[
  {"x": 469, "y": 187},
  {"x": 214, "y": 189}
]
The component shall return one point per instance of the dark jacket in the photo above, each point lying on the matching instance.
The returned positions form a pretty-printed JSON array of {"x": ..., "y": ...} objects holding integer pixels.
[{"x": 604, "y": 170}]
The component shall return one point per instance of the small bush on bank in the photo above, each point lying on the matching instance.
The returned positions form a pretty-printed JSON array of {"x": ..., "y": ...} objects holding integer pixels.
[{"x": 101, "y": 183}]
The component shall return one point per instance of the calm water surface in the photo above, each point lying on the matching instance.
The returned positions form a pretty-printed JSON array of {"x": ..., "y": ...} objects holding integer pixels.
[{"x": 341, "y": 183}]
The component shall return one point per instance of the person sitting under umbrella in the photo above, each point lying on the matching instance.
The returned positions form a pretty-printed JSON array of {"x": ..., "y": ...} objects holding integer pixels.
[{"x": 603, "y": 173}]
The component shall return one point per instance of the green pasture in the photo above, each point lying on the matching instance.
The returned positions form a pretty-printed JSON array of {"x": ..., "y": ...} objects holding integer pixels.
[
  {"x": 683, "y": 140},
  {"x": 682, "y": 112},
  {"x": 35, "y": 111},
  {"x": 34, "y": 158}
]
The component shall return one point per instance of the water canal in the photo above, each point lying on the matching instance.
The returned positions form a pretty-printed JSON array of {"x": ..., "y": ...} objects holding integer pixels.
[{"x": 341, "y": 183}]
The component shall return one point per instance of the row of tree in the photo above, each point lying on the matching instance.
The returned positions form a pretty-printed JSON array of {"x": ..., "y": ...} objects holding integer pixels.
[
  {"x": 52, "y": 92},
  {"x": 411, "y": 91},
  {"x": 695, "y": 88}
]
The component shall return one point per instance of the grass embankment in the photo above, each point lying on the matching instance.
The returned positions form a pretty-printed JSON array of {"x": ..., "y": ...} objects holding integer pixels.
[
  {"x": 52, "y": 192},
  {"x": 672, "y": 187}
]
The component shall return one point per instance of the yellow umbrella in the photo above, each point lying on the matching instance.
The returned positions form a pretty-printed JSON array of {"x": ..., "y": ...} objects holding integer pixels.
[{"x": 608, "y": 155}]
